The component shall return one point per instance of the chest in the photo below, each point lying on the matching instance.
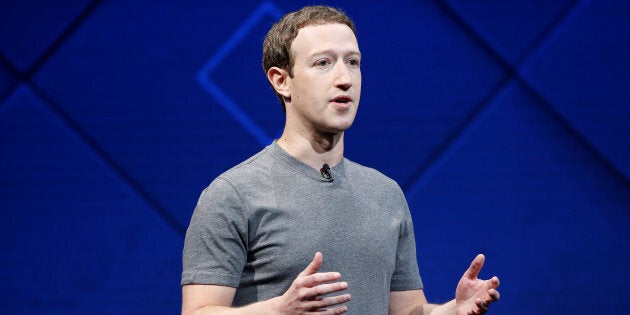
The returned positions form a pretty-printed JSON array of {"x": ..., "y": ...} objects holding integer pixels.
[{"x": 352, "y": 229}]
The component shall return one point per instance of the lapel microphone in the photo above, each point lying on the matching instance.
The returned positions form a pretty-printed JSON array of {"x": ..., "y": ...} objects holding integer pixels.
[{"x": 325, "y": 171}]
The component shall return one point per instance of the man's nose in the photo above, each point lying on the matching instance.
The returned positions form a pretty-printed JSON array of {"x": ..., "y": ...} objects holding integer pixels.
[{"x": 343, "y": 79}]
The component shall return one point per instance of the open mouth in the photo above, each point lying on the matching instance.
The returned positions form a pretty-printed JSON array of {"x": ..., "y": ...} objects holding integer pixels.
[{"x": 342, "y": 99}]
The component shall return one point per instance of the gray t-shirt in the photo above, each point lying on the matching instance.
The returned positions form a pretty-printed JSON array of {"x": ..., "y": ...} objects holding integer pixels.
[{"x": 258, "y": 225}]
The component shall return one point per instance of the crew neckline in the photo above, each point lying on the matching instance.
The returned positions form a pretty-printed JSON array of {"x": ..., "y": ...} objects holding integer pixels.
[{"x": 338, "y": 171}]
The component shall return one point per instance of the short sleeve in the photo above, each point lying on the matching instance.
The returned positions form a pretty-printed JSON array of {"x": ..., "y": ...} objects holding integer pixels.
[
  {"x": 215, "y": 247},
  {"x": 406, "y": 273}
]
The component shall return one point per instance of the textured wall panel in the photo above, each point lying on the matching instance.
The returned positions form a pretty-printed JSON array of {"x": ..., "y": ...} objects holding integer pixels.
[
  {"x": 584, "y": 76},
  {"x": 74, "y": 238},
  {"x": 415, "y": 94},
  {"x": 128, "y": 79},
  {"x": 6, "y": 81},
  {"x": 504, "y": 122},
  {"x": 512, "y": 27},
  {"x": 28, "y": 28},
  {"x": 550, "y": 218}
]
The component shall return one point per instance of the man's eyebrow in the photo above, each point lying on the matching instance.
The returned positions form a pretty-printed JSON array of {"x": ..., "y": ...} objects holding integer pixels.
[{"x": 330, "y": 51}]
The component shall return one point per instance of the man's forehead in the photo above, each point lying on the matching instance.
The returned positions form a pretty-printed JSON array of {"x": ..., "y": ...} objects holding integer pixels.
[
  {"x": 321, "y": 37},
  {"x": 323, "y": 26}
]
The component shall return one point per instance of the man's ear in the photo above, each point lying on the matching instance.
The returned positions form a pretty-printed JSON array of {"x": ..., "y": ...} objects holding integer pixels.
[{"x": 280, "y": 80}]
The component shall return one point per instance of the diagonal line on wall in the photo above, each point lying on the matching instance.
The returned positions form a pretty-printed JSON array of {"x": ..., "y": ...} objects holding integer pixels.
[
  {"x": 67, "y": 32},
  {"x": 531, "y": 55},
  {"x": 26, "y": 78},
  {"x": 454, "y": 140},
  {"x": 461, "y": 132},
  {"x": 109, "y": 160},
  {"x": 579, "y": 136},
  {"x": 224, "y": 100},
  {"x": 13, "y": 70},
  {"x": 422, "y": 175}
]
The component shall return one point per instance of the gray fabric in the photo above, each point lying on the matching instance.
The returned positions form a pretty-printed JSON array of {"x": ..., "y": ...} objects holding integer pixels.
[{"x": 259, "y": 224}]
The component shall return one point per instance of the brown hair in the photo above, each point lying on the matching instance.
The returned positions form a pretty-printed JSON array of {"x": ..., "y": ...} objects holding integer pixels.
[{"x": 277, "y": 44}]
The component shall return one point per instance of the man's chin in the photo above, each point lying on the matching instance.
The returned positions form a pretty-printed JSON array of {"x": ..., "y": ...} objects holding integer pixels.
[{"x": 340, "y": 128}]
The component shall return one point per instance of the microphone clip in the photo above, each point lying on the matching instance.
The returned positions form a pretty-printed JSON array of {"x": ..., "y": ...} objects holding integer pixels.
[{"x": 325, "y": 171}]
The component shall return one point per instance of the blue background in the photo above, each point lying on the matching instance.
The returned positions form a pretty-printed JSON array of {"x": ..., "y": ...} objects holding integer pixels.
[{"x": 506, "y": 123}]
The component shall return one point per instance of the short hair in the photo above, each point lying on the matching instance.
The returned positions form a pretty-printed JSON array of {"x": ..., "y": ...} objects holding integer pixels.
[{"x": 277, "y": 44}]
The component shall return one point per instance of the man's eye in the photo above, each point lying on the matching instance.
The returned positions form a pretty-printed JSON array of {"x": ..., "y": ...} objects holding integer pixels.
[
  {"x": 353, "y": 62},
  {"x": 321, "y": 63}
]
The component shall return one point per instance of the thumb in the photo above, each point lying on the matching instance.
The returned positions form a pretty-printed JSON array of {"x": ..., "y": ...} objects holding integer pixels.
[
  {"x": 313, "y": 267},
  {"x": 475, "y": 267}
]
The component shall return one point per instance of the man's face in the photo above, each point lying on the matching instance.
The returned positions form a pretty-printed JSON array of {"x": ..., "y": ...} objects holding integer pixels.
[{"x": 326, "y": 85}]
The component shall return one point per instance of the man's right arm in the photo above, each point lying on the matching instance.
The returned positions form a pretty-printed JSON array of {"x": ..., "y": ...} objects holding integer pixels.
[
  {"x": 303, "y": 297},
  {"x": 215, "y": 299}
]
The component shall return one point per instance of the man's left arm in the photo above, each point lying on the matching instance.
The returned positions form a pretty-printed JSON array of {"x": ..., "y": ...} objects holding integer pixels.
[{"x": 472, "y": 296}]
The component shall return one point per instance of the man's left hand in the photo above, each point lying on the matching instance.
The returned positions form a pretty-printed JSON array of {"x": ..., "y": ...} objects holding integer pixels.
[{"x": 473, "y": 295}]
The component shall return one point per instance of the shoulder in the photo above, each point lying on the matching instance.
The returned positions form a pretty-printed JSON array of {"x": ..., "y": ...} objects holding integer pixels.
[
  {"x": 377, "y": 189},
  {"x": 374, "y": 182},
  {"x": 256, "y": 167},
  {"x": 235, "y": 186},
  {"x": 241, "y": 176},
  {"x": 369, "y": 174}
]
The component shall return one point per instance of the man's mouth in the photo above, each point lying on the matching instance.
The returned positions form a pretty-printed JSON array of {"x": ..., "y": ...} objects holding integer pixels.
[{"x": 342, "y": 99}]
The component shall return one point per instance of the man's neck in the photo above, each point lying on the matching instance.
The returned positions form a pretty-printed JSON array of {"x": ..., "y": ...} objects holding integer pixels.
[{"x": 315, "y": 150}]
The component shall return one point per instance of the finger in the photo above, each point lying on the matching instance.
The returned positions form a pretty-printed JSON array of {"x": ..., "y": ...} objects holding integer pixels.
[
  {"x": 333, "y": 311},
  {"x": 327, "y": 288},
  {"x": 475, "y": 266},
  {"x": 495, "y": 282},
  {"x": 313, "y": 267},
  {"x": 483, "y": 306},
  {"x": 323, "y": 303},
  {"x": 494, "y": 295},
  {"x": 317, "y": 279}
]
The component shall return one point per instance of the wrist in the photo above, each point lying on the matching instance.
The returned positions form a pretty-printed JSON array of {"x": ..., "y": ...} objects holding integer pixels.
[
  {"x": 446, "y": 308},
  {"x": 274, "y": 305}
]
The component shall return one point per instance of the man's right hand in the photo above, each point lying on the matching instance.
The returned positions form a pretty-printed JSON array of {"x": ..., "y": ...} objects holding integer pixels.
[{"x": 305, "y": 296}]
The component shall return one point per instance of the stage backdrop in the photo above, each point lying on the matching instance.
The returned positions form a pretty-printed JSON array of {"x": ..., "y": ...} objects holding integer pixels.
[{"x": 506, "y": 123}]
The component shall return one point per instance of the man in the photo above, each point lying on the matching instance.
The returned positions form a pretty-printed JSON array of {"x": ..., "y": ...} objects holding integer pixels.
[{"x": 298, "y": 228}]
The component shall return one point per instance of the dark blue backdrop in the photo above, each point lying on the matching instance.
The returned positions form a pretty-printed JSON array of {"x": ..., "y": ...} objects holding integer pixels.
[{"x": 505, "y": 122}]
